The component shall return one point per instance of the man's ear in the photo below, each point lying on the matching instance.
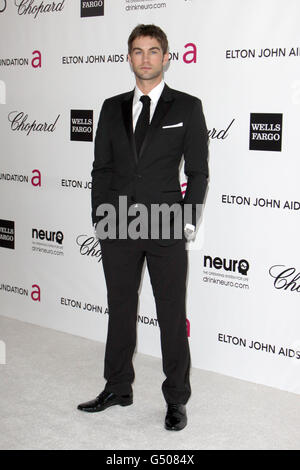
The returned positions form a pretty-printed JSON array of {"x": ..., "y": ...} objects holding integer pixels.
[
  {"x": 129, "y": 59},
  {"x": 166, "y": 58}
]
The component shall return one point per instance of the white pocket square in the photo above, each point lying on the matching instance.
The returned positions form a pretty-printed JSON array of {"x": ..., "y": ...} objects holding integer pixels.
[{"x": 180, "y": 124}]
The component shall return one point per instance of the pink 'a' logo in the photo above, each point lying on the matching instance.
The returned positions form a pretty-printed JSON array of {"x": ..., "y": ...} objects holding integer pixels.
[{"x": 190, "y": 56}]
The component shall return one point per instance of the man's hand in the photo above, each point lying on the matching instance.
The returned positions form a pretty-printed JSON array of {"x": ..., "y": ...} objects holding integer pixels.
[{"x": 189, "y": 232}]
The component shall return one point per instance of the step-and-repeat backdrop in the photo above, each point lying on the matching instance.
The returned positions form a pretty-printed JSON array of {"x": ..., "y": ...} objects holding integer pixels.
[{"x": 59, "y": 60}]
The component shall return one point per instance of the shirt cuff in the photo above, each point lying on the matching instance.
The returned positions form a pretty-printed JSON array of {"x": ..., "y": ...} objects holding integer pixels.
[{"x": 190, "y": 226}]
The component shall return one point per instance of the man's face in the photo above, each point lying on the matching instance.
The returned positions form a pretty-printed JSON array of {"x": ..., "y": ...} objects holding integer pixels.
[{"x": 147, "y": 59}]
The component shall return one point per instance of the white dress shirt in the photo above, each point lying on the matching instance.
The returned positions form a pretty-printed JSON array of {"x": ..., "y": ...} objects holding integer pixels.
[{"x": 137, "y": 105}]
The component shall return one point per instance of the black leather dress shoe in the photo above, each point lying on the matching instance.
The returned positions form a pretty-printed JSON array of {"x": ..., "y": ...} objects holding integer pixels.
[
  {"x": 105, "y": 400},
  {"x": 176, "y": 418}
]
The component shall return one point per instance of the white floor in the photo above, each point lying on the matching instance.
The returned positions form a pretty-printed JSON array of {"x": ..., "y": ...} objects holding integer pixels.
[{"x": 47, "y": 373}]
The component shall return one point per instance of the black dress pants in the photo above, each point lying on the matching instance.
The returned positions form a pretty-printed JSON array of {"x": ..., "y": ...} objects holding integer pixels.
[{"x": 167, "y": 265}]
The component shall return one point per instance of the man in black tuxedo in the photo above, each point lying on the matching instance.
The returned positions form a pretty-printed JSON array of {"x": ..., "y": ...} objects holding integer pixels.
[{"x": 141, "y": 138}]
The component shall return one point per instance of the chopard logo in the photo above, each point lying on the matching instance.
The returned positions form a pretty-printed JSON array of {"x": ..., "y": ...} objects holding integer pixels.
[
  {"x": 220, "y": 134},
  {"x": 89, "y": 246},
  {"x": 25, "y": 7},
  {"x": 3, "y": 5},
  {"x": 287, "y": 279},
  {"x": 19, "y": 123}
]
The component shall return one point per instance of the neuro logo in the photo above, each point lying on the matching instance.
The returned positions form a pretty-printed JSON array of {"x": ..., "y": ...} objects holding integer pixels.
[
  {"x": 241, "y": 266},
  {"x": 56, "y": 237},
  {"x": 41, "y": 239}
]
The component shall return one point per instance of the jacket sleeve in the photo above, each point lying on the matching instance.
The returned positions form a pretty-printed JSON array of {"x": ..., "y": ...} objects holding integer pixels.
[
  {"x": 196, "y": 160},
  {"x": 103, "y": 162}
]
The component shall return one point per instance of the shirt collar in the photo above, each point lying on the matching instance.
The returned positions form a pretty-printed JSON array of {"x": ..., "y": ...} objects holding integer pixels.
[{"x": 154, "y": 94}]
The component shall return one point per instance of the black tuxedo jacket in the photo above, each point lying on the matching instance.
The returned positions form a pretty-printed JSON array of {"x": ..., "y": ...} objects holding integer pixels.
[{"x": 177, "y": 129}]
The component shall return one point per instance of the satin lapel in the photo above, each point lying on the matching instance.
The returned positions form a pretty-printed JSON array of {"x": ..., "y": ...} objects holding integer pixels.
[
  {"x": 162, "y": 108},
  {"x": 127, "y": 118}
]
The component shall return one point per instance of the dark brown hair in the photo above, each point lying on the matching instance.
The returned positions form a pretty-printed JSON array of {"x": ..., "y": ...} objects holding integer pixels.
[{"x": 149, "y": 30}]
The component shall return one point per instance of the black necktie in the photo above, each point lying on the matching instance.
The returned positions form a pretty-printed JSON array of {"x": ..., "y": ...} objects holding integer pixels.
[{"x": 142, "y": 123}]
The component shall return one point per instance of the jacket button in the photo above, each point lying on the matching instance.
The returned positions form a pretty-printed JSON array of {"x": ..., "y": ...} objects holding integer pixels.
[{"x": 138, "y": 175}]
